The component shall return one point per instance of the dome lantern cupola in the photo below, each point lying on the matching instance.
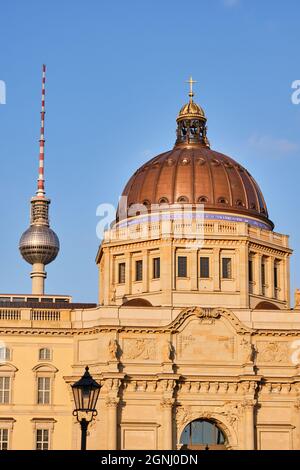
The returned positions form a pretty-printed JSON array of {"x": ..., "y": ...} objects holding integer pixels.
[{"x": 191, "y": 123}]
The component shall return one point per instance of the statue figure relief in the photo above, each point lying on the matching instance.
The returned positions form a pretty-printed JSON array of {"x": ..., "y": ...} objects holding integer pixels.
[
  {"x": 168, "y": 351},
  {"x": 113, "y": 349},
  {"x": 248, "y": 351}
]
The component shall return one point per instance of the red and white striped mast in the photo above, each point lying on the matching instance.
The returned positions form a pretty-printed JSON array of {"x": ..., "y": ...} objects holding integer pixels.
[{"x": 41, "y": 178}]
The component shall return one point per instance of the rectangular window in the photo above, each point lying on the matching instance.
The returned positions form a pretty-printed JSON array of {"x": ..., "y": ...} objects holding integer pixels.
[
  {"x": 226, "y": 268},
  {"x": 3, "y": 439},
  {"x": 139, "y": 270},
  {"x": 44, "y": 354},
  {"x": 250, "y": 264},
  {"x": 44, "y": 384},
  {"x": 263, "y": 278},
  {"x": 204, "y": 267},
  {"x": 182, "y": 266},
  {"x": 42, "y": 439},
  {"x": 156, "y": 268},
  {"x": 276, "y": 276},
  {"x": 4, "y": 354},
  {"x": 121, "y": 274},
  {"x": 4, "y": 390},
  {"x": 263, "y": 274}
]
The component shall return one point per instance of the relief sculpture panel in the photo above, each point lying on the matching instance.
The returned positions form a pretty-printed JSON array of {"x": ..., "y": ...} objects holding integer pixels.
[
  {"x": 139, "y": 348},
  {"x": 199, "y": 340}
]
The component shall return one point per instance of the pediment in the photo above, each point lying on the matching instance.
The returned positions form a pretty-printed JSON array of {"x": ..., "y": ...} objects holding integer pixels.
[
  {"x": 8, "y": 367},
  {"x": 209, "y": 316},
  {"x": 45, "y": 367},
  {"x": 206, "y": 334}
]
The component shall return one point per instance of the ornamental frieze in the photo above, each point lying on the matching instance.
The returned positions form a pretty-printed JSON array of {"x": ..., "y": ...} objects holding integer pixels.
[
  {"x": 140, "y": 348},
  {"x": 275, "y": 352}
]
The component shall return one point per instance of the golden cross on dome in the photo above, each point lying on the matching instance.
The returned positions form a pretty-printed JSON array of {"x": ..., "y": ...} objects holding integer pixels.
[{"x": 191, "y": 82}]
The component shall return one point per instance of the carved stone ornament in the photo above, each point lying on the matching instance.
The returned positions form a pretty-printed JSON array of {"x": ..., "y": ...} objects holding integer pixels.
[
  {"x": 168, "y": 351},
  {"x": 111, "y": 402},
  {"x": 247, "y": 351},
  {"x": 141, "y": 348},
  {"x": 231, "y": 413},
  {"x": 275, "y": 352},
  {"x": 113, "y": 349}
]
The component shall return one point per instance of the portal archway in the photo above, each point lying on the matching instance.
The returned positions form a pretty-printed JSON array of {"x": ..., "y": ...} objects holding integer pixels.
[{"x": 202, "y": 434}]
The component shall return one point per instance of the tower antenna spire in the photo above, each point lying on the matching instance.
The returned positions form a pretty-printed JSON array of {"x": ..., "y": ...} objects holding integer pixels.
[
  {"x": 41, "y": 177},
  {"x": 39, "y": 244}
]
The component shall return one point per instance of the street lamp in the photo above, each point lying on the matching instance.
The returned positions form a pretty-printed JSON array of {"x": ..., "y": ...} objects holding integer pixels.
[{"x": 85, "y": 392}]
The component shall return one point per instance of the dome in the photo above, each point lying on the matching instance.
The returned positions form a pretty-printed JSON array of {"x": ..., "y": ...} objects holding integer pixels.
[
  {"x": 192, "y": 173},
  {"x": 39, "y": 244},
  {"x": 198, "y": 175},
  {"x": 191, "y": 110}
]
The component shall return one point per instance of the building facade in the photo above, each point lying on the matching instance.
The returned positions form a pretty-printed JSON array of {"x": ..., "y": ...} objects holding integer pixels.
[{"x": 193, "y": 338}]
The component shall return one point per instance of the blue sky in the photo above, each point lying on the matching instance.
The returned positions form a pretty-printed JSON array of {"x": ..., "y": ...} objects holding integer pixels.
[{"x": 116, "y": 76}]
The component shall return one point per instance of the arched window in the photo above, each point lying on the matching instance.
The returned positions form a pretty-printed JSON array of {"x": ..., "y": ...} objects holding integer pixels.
[
  {"x": 44, "y": 354},
  {"x": 182, "y": 199},
  {"x": 202, "y": 434},
  {"x": 163, "y": 200},
  {"x": 202, "y": 199},
  {"x": 222, "y": 200}
]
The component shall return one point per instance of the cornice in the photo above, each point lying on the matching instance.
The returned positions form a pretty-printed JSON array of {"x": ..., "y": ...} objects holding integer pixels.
[{"x": 172, "y": 328}]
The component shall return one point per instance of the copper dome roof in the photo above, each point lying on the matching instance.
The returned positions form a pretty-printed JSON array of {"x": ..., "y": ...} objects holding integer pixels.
[
  {"x": 192, "y": 173},
  {"x": 197, "y": 175}
]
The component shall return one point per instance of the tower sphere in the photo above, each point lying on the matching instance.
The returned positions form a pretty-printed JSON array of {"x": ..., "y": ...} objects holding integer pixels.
[{"x": 39, "y": 244}]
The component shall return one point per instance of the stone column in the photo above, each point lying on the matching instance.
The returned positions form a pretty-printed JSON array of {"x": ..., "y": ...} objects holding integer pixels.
[
  {"x": 194, "y": 269},
  {"x": 128, "y": 271},
  {"x": 285, "y": 280},
  {"x": 270, "y": 276},
  {"x": 297, "y": 423},
  {"x": 145, "y": 271},
  {"x": 167, "y": 415},
  {"x": 249, "y": 441},
  {"x": 106, "y": 276},
  {"x": 216, "y": 269},
  {"x": 243, "y": 275},
  {"x": 166, "y": 271},
  {"x": 257, "y": 274},
  {"x": 112, "y": 423}
]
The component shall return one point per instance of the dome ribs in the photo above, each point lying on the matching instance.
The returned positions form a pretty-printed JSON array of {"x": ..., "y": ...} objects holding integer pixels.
[{"x": 193, "y": 172}]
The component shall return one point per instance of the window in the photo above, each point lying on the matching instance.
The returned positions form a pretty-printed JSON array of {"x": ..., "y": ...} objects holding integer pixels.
[
  {"x": 121, "y": 274},
  {"x": 182, "y": 266},
  {"x": 250, "y": 274},
  {"x": 4, "y": 390},
  {"x": 44, "y": 354},
  {"x": 276, "y": 279},
  {"x": 5, "y": 354},
  {"x": 43, "y": 397},
  {"x": 263, "y": 278},
  {"x": 42, "y": 439},
  {"x": 139, "y": 270},
  {"x": 276, "y": 276},
  {"x": 226, "y": 268},
  {"x": 3, "y": 439},
  {"x": 182, "y": 199},
  {"x": 156, "y": 268},
  {"x": 203, "y": 433},
  {"x": 204, "y": 267},
  {"x": 250, "y": 264}
]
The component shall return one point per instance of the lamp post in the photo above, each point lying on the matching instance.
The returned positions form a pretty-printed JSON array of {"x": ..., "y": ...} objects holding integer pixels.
[{"x": 85, "y": 392}]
